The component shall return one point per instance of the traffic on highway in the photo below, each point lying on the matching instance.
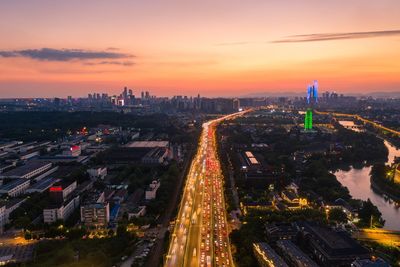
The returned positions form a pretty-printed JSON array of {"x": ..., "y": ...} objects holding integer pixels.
[{"x": 201, "y": 235}]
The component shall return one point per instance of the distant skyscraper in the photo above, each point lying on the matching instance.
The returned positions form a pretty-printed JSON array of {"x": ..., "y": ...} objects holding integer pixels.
[
  {"x": 312, "y": 93},
  {"x": 236, "y": 104},
  {"x": 312, "y": 98}
]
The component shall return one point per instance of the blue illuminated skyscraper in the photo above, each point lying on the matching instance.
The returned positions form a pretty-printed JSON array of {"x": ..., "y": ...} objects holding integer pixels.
[
  {"x": 312, "y": 98},
  {"x": 312, "y": 93}
]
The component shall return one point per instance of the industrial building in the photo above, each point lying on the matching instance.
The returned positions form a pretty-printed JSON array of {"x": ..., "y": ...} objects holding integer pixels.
[
  {"x": 42, "y": 185},
  {"x": 29, "y": 170},
  {"x": 15, "y": 188}
]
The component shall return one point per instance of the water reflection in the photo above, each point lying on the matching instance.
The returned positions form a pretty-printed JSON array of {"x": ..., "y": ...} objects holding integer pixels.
[{"x": 359, "y": 185}]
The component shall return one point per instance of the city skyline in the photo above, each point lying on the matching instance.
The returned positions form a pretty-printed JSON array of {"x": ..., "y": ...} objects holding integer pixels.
[{"x": 184, "y": 48}]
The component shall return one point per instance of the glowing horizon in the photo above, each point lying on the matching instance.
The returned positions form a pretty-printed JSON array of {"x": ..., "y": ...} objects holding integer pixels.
[{"x": 224, "y": 48}]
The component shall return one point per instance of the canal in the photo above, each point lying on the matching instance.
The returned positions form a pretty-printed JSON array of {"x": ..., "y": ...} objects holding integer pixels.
[{"x": 359, "y": 184}]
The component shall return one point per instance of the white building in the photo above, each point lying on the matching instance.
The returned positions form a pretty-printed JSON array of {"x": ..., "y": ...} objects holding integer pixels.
[
  {"x": 61, "y": 211},
  {"x": 62, "y": 189},
  {"x": 151, "y": 191}
]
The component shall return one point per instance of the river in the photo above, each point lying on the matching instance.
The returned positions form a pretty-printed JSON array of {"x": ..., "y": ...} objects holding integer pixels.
[{"x": 359, "y": 184}]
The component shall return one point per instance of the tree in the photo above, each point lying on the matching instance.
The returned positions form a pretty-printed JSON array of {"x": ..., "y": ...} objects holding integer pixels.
[
  {"x": 370, "y": 216},
  {"x": 337, "y": 215}
]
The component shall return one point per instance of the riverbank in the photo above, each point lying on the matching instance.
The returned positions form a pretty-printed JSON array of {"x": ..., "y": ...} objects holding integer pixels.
[
  {"x": 361, "y": 186},
  {"x": 383, "y": 192}
]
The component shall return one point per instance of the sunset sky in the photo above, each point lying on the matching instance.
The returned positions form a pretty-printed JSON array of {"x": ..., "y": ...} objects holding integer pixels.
[{"x": 213, "y": 47}]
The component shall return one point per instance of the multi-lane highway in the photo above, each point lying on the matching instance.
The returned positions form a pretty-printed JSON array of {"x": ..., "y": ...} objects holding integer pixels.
[{"x": 201, "y": 236}]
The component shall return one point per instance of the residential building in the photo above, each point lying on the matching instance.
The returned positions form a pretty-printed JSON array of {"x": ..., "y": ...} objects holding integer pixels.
[
  {"x": 95, "y": 215},
  {"x": 95, "y": 211}
]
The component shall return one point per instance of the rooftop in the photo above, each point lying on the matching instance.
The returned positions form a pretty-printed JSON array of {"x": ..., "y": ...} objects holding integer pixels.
[
  {"x": 335, "y": 243},
  {"x": 148, "y": 144},
  {"x": 268, "y": 254},
  {"x": 290, "y": 248},
  {"x": 13, "y": 183},
  {"x": 25, "y": 169},
  {"x": 44, "y": 183}
]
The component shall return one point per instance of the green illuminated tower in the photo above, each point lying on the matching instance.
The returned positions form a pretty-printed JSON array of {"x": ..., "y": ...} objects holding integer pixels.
[{"x": 308, "y": 120}]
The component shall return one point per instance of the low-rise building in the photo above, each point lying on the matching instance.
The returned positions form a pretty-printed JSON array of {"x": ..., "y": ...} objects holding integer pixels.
[
  {"x": 329, "y": 247},
  {"x": 95, "y": 211},
  {"x": 280, "y": 231},
  {"x": 151, "y": 191},
  {"x": 42, "y": 185},
  {"x": 60, "y": 211},
  {"x": 73, "y": 151},
  {"x": 15, "y": 188},
  {"x": 293, "y": 254},
  {"x": 2, "y": 217},
  {"x": 155, "y": 156},
  {"x": 97, "y": 173},
  {"x": 27, "y": 171},
  {"x": 61, "y": 190},
  {"x": 137, "y": 212},
  {"x": 374, "y": 262},
  {"x": 95, "y": 215},
  {"x": 267, "y": 257},
  {"x": 12, "y": 205}
]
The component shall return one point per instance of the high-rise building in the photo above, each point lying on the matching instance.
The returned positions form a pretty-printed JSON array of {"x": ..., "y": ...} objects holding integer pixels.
[
  {"x": 308, "y": 120},
  {"x": 236, "y": 104},
  {"x": 312, "y": 93}
]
